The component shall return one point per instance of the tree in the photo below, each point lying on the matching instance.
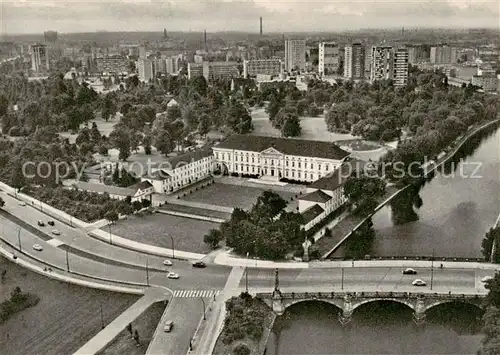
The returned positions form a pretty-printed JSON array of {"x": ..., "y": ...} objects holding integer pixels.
[
  {"x": 95, "y": 135},
  {"x": 164, "y": 141},
  {"x": 112, "y": 216},
  {"x": 2, "y": 202},
  {"x": 491, "y": 237},
  {"x": 490, "y": 345},
  {"x": 213, "y": 238},
  {"x": 363, "y": 192},
  {"x": 108, "y": 107},
  {"x": 199, "y": 85},
  {"x": 269, "y": 204},
  {"x": 147, "y": 140},
  {"x": 121, "y": 139},
  {"x": 291, "y": 127},
  {"x": 360, "y": 243}
]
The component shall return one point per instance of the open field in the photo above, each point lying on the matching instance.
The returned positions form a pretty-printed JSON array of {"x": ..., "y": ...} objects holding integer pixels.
[
  {"x": 195, "y": 211},
  {"x": 313, "y": 128},
  {"x": 232, "y": 195},
  {"x": 105, "y": 128},
  {"x": 155, "y": 230},
  {"x": 66, "y": 317}
]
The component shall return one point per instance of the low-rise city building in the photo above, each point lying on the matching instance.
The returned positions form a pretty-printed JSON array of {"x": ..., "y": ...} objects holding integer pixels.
[
  {"x": 181, "y": 171},
  {"x": 254, "y": 67},
  {"x": 138, "y": 192},
  {"x": 112, "y": 64}
]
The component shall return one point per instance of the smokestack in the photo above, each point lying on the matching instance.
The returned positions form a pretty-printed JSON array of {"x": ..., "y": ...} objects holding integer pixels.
[
  {"x": 205, "y": 39},
  {"x": 261, "y": 26}
]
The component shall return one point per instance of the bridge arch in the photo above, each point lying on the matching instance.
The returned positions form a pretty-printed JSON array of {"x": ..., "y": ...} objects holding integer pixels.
[
  {"x": 403, "y": 301},
  {"x": 473, "y": 302},
  {"x": 334, "y": 302}
]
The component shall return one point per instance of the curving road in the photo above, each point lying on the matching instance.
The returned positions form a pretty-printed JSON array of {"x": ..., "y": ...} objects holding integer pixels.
[{"x": 99, "y": 260}]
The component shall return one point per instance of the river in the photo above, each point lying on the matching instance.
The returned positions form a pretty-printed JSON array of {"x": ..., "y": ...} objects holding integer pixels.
[
  {"x": 458, "y": 206},
  {"x": 381, "y": 327}
]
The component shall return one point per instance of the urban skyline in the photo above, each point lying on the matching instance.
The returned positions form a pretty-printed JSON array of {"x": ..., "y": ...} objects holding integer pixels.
[{"x": 143, "y": 15}]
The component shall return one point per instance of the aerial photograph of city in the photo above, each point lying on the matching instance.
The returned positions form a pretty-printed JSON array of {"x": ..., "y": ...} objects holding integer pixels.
[{"x": 249, "y": 177}]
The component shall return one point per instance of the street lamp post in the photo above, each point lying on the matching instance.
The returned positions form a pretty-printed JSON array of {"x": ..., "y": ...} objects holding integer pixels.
[
  {"x": 173, "y": 250},
  {"x": 147, "y": 272},
  {"x": 432, "y": 268},
  {"x": 19, "y": 239},
  {"x": 110, "y": 240},
  {"x": 204, "y": 308},
  {"x": 342, "y": 278},
  {"x": 246, "y": 275},
  {"x": 102, "y": 318},
  {"x": 67, "y": 254}
]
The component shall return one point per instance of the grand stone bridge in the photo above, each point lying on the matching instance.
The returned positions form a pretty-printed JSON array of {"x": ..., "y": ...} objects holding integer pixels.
[{"x": 348, "y": 302}]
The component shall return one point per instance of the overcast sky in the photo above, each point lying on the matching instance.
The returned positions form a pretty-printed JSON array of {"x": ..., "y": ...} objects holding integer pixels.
[{"x": 35, "y": 16}]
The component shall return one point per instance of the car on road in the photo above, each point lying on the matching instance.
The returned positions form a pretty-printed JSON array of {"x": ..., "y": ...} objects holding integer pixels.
[
  {"x": 199, "y": 264},
  {"x": 487, "y": 278},
  {"x": 418, "y": 282},
  {"x": 50, "y": 223},
  {"x": 409, "y": 271},
  {"x": 37, "y": 247},
  {"x": 41, "y": 224},
  {"x": 167, "y": 262},
  {"x": 172, "y": 275},
  {"x": 168, "y": 326},
  {"x": 56, "y": 232},
  {"x": 22, "y": 203}
]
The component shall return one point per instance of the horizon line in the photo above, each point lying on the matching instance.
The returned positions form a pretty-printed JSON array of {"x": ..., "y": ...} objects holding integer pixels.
[{"x": 258, "y": 33}]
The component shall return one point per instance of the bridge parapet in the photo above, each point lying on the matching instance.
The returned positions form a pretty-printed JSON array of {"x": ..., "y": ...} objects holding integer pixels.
[{"x": 347, "y": 302}]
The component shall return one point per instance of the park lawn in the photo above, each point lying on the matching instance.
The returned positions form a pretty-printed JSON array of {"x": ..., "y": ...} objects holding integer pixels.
[
  {"x": 231, "y": 195},
  {"x": 65, "y": 318},
  {"x": 155, "y": 230}
]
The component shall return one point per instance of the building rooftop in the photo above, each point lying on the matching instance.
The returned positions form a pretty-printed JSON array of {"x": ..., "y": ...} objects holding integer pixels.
[
  {"x": 289, "y": 146},
  {"x": 316, "y": 196},
  {"x": 311, "y": 213},
  {"x": 190, "y": 157},
  {"x": 100, "y": 188},
  {"x": 141, "y": 185},
  {"x": 159, "y": 174},
  {"x": 335, "y": 179}
]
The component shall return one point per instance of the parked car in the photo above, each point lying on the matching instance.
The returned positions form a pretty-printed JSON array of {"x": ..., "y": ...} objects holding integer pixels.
[
  {"x": 167, "y": 262},
  {"x": 56, "y": 232},
  {"x": 41, "y": 224},
  {"x": 199, "y": 264},
  {"x": 50, "y": 223},
  {"x": 172, "y": 275},
  {"x": 487, "y": 278},
  {"x": 168, "y": 326},
  {"x": 37, "y": 247},
  {"x": 409, "y": 271},
  {"x": 418, "y": 282},
  {"x": 22, "y": 203}
]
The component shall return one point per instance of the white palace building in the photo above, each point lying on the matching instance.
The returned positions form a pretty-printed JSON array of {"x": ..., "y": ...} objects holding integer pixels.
[{"x": 278, "y": 158}]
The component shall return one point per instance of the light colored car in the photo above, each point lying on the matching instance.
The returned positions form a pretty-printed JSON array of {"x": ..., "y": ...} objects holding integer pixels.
[
  {"x": 37, "y": 247},
  {"x": 172, "y": 275},
  {"x": 22, "y": 203},
  {"x": 56, "y": 232},
  {"x": 418, "y": 282},
  {"x": 487, "y": 278},
  {"x": 409, "y": 271},
  {"x": 168, "y": 326},
  {"x": 167, "y": 262}
]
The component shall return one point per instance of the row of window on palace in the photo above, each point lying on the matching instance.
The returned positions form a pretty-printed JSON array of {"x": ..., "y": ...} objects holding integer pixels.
[
  {"x": 190, "y": 170},
  {"x": 287, "y": 173},
  {"x": 271, "y": 161}
]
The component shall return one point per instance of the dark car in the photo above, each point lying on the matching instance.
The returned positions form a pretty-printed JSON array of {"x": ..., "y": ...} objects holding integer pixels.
[
  {"x": 409, "y": 271},
  {"x": 199, "y": 264},
  {"x": 41, "y": 224},
  {"x": 50, "y": 223}
]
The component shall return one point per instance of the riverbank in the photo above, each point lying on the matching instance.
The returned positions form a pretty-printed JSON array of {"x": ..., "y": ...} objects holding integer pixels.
[
  {"x": 247, "y": 327},
  {"x": 327, "y": 246}
]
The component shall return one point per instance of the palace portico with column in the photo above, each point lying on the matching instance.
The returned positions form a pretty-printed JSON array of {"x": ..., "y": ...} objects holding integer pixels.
[{"x": 278, "y": 158}]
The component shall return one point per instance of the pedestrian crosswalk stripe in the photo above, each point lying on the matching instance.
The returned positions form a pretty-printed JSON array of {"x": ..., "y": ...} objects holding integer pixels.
[{"x": 196, "y": 293}]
